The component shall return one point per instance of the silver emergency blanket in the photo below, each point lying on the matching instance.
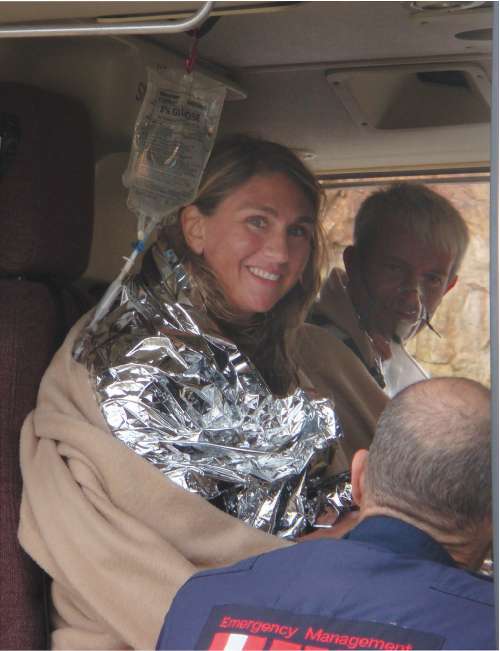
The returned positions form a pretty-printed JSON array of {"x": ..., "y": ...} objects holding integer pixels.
[{"x": 184, "y": 398}]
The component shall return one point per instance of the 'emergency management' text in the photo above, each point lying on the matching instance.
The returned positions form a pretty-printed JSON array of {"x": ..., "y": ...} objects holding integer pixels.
[{"x": 247, "y": 627}]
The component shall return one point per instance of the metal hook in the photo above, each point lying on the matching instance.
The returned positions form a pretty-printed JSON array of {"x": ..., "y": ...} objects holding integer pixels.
[{"x": 191, "y": 60}]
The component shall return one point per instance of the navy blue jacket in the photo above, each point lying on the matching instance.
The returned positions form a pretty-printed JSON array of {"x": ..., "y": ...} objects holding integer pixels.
[{"x": 386, "y": 585}]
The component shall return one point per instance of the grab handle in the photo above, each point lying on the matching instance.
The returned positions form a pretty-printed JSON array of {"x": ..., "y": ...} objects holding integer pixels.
[{"x": 108, "y": 29}]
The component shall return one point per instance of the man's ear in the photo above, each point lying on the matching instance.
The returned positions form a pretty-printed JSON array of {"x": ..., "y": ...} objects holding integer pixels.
[
  {"x": 358, "y": 470},
  {"x": 193, "y": 228},
  {"x": 350, "y": 260},
  {"x": 451, "y": 284},
  {"x": 356, "y": 285}
]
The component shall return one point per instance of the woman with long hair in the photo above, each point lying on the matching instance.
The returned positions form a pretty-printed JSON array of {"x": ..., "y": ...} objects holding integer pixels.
[
  {"x": 193, "y": 370},
  {"x": 266, "y": 172}
]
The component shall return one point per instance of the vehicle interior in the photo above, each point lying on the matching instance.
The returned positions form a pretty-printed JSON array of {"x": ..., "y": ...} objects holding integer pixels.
[{"x": 365, "y": 93}]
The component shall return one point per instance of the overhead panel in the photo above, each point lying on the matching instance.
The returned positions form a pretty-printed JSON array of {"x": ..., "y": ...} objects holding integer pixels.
[{"x": 414, "y": 96}]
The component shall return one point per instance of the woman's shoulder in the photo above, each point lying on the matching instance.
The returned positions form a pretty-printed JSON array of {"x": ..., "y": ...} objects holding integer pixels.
[{"x": 66, "y": 386}]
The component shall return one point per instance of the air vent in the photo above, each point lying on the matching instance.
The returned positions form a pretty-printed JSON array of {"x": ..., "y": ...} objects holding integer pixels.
[{"x": 414, "y": 96}]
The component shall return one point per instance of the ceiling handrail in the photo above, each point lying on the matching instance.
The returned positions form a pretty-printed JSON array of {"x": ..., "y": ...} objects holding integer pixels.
[{"x": 108, "y": 29}]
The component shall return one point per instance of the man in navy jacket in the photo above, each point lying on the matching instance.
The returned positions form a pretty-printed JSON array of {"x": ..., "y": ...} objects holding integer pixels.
[{"x": 402, "y": 578}]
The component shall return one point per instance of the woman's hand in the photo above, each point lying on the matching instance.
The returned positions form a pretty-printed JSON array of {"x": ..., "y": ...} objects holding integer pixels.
[{"x": 343, "y": 525}]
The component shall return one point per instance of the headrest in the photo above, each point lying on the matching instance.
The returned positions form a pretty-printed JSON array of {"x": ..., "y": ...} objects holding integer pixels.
[{"x": 46, "y": 184}]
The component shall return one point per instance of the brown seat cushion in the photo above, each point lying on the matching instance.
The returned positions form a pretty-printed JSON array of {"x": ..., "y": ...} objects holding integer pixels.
[
  {"x": 46, "y": 193},
  {"x": 46, "y": 209}
]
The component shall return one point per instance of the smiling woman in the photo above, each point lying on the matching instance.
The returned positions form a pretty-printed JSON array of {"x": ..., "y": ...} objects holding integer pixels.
[
  {"x": 253, "y": 241},
  {"x": 180, "y": 418},
  {"x": 257, "y": 241}
]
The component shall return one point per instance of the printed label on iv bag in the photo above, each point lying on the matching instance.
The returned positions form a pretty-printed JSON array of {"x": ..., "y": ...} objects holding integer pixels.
[{"x": 173, "y": 137}]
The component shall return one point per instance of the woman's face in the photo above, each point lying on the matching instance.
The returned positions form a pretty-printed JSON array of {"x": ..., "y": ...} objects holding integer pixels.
[{"x": 257, "y": 242}]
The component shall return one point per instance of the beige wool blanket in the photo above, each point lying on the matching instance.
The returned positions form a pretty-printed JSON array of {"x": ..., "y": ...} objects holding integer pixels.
[
  {"x": 336, "y": 373},
  {"x": 115, "y": 535}
]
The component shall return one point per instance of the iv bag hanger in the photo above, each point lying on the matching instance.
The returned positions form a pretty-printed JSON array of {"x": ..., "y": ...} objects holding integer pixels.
[
  {"x": 83, "y": 28},
  {"x": 191, "y": 59}
]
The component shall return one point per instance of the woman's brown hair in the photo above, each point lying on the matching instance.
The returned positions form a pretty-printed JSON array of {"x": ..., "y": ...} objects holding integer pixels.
[{"x": 269, "y": 339}]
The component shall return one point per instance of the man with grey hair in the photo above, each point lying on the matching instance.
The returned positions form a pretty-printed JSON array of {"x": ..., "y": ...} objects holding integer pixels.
[
  {"x": 403, "y": 577},
  {"x": 430, "y": 465},
  {"x": 409, "y": 242}
]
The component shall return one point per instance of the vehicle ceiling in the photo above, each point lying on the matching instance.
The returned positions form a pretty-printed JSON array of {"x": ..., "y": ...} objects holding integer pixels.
[{"x": 279, "y": 54}]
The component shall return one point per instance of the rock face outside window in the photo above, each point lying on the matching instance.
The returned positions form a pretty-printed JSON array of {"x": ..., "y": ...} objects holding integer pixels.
[{"x": 463, "y": 317}]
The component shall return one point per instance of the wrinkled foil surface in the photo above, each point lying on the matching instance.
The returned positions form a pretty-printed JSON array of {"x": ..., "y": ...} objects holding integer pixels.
[{"x": 184, "y": 398}]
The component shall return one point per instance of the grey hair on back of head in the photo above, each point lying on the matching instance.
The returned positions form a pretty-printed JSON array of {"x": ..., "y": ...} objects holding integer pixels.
[{"x": 431, "y": 453}]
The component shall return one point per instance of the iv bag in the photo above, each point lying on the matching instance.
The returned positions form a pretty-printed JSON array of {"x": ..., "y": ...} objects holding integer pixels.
[{"x": 173, "y": 137}]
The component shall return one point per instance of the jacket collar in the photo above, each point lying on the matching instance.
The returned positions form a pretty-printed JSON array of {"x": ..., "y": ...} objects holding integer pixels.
[
  {"x": 335, "y": 307},
  {"x": 400, "y": 537}
]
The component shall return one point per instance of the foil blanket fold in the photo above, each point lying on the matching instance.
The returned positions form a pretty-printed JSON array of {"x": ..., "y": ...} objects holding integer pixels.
[{"x": 185, "y": 399}]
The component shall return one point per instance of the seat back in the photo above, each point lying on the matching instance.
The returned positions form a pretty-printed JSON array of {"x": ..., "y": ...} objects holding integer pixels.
[{"x": 46, "y": 208}]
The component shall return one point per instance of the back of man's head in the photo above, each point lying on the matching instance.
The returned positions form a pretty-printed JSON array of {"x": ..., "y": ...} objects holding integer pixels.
[
  {"x": 418, "y": 210},
  {"x": 430, "y": 459}
]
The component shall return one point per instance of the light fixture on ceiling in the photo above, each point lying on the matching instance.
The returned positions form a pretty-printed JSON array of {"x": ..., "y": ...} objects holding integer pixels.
[
  {"x": 431, "y": 5},
  {"x": 305, "y": 154}
]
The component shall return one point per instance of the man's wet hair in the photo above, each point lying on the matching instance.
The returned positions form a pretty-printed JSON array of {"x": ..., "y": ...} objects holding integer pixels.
[
  {"x": 427, "y": 215},
  {"x": 431, "y": 453}
]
